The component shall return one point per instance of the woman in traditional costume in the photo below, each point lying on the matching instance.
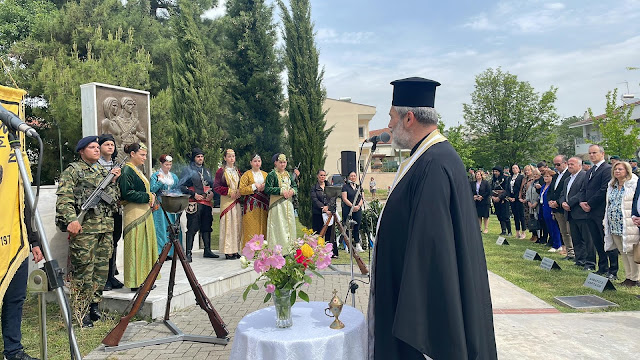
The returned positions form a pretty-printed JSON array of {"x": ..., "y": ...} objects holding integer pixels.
[
  {"x": 227, "y": 184},
  {"x": 281, "y": 223},
  {"x": 140, "y": 246},
  {"x": 163, "y": 181},
  {"x": 256, "y": 203}
]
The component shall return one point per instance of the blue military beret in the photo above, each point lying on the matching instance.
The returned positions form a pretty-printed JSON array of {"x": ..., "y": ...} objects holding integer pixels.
[{"x": 85, "y": 141}]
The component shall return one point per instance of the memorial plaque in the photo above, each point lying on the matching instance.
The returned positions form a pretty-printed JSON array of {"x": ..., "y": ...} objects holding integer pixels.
[
  {"x": 586, "y": 302},
  {"x": 549, "y": 264},
  {"x": 502, "y": 241},
  {"x": 531, "y": 255},
  {"x": 599, "y": 283}
]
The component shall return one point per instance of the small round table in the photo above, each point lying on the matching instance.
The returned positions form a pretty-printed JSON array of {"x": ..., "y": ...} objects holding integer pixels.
[{"x": 309, "y": 338}]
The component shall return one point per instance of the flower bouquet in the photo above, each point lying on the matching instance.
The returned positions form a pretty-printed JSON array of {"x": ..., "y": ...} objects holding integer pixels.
[{"x": 286, "y": 273}]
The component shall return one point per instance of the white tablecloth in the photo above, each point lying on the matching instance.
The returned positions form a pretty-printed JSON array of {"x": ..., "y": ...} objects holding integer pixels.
[{"x": 310, "y": 337}]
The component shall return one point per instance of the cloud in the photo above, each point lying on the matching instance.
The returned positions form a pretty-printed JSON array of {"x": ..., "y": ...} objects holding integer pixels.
[
  {"x": 554, "y": 6},
  {"x": 480, "y": 22},
  {"x": 326, "y": 35},
  {"x": 215, "y": 12}
]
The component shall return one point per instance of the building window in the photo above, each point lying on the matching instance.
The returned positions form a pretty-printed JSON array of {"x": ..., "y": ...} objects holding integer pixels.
[{"x": 361, "y": 131}]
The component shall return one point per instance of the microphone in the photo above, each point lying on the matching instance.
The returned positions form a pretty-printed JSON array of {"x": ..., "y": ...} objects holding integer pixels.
[
  {"x": 384, "y": 137},
  {"x": 13, "y": 122}
]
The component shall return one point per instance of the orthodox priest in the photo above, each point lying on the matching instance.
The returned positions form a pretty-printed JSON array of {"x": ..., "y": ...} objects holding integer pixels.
[{"x": 429, "y": 288}]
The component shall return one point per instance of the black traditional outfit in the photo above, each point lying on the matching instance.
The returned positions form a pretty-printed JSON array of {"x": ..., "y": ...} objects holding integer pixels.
[
  {"x": 500, "y": 188},
  {"x": 429, "y": 287},
  {"x": 197, "y": 179}
]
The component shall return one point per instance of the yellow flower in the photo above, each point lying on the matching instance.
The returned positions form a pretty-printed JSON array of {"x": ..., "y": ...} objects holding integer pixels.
[
  {"x": 307, "y": 251},
  {"x": 307, "y": 231},
  {"x": 320, "y": 241}
]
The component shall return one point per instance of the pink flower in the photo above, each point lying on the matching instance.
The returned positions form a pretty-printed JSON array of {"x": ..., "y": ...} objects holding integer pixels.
[
  {"x": 270, "y": 288},
  {"x": 253, "y": 245},
  {"x": 323, "y": 262},
  {"x": 276, "y": 261}
]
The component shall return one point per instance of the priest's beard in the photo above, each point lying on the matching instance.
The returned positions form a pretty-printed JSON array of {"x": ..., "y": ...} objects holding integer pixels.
[{"x": 401, "y": 137}]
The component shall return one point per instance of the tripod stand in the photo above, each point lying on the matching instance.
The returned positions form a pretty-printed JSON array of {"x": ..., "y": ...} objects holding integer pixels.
[
  {"x": 113, "y": 338},
  {"x": 51, "y": 267}
]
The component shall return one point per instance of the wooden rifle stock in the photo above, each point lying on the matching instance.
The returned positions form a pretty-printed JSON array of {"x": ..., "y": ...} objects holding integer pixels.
[
  {"x": 356, "y": 257},
  {"x": 113, "y": 338}
]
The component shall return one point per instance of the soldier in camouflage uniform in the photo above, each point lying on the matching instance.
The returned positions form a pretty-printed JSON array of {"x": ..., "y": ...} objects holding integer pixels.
[
  {"x": 90, "y": 243},
  {"x": 634, "y": 167}
]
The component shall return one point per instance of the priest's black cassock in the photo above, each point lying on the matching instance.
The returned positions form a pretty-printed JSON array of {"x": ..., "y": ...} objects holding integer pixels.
[{"x": 430, "y": 289}]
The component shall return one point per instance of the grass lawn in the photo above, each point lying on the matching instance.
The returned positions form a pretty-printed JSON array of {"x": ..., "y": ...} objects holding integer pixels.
[{"x": 507, "y": 262}]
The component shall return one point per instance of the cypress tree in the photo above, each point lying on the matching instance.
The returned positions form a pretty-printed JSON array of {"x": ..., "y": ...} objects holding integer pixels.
[
  {"x": 195, "y": 105},
  {"x": 305, "y": 122},
  {"x": 255, "y": 89}
]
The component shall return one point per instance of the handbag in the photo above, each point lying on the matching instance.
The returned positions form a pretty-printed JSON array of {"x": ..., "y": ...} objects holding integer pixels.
[
  {"x": 533, "y": 224},
  {"x": 636, "y": 253}
]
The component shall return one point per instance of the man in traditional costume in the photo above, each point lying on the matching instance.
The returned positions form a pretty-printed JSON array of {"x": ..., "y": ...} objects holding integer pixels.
[
  {"x": 281, "y": 222},
  {"x": 429, "y": 294},
  {"x": 256, "y": 202},
  {"x": 197, "y": 182},
  {"x": 108, "y": 154},
  {"x": 90, "y": 243},
  {"x": 227, "y": 184}
]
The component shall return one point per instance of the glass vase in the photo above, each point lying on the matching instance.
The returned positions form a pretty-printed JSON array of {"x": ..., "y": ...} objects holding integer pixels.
[{"x": 283, "y": 309}]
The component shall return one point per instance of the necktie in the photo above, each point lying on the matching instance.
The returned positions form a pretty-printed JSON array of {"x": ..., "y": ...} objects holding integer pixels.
[{"x": 592, "y": 171}]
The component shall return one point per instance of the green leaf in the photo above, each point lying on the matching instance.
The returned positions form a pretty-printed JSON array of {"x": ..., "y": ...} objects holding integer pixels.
[
  {"x": 317, "y": 274},
  {"x": 254, "y": 286},
  {"x": 303, "y": 295},
  {"x": 246, "y": 292},
  {"x": 267, "y": 297},
  {"x": 293, "y": 297},
  {"x": 307, "y": 279}
]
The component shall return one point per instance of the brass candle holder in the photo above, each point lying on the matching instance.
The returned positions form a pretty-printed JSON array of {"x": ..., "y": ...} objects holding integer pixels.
[{"x": 335, "y": 307}]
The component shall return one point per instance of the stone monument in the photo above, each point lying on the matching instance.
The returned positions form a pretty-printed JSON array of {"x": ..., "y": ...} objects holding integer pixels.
[{"x": 123, "y": 112}]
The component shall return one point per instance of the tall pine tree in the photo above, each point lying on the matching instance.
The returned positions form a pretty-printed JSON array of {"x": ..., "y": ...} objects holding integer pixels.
[
  {"x": 195, "y": 96},
  {"x": 255, "y": 125},
  {"x": 305, "y": 121}
]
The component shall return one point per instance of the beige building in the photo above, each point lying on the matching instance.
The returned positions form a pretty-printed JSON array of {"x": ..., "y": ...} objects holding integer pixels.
[{"x": 351, "y": 128}]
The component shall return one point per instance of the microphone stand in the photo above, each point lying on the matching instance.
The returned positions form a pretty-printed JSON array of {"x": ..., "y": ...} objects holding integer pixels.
[
  {"x": 349, "y": 220},
  {"x": 51, "y": 267}
]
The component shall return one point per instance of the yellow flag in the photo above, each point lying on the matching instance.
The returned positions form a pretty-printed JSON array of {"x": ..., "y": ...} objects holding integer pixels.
[{"x": 14, "y": 245}]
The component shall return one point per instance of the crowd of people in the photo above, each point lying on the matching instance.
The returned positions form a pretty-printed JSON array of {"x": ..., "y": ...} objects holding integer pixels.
[
  {"x": 251, "y": 203},
  {"x": 581, "y": 209}
]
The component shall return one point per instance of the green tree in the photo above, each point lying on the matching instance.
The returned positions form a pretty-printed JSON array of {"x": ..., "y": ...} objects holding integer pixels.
[
  {"x": 17, "y": 17},
  {"x": 566, "y": 137},
  {"x": 255, "y": 125},
  {"x": 305, "y": 122},
  {"x": 508, "y": 121},
  {"x": 195, "y": 95},
  {"x": 457, "y": 138},
  {"x": 618, "y": 129}
]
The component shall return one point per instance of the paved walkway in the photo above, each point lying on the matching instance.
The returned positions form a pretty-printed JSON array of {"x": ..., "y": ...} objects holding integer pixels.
[{"x": 526, "y": 327}]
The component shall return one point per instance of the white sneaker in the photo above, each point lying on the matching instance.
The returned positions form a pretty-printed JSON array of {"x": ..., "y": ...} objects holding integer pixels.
[
  {"x": 553, "y": 250},
  {"x": 359, "y": 248}
]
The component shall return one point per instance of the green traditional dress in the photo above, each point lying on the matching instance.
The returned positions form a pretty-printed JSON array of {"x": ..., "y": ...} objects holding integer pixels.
[
  {"x": 281, "y": 222},
  {"x": 140, "y": 246}
]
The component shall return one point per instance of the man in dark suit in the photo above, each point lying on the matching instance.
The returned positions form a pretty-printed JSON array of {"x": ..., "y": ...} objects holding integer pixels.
[
  {"x": 557, "y": 185},
  {"x": 585, "y": 254},
  {"x": 592, "y": 200}
]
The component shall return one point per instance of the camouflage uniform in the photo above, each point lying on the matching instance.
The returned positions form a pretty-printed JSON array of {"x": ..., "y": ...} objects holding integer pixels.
[{"x": 91, "y": 249}]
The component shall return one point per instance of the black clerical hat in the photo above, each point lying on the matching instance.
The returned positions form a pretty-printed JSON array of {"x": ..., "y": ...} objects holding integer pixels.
[
  {"x": 195, "y": 152},
  {"x": 414, "y": 92}
]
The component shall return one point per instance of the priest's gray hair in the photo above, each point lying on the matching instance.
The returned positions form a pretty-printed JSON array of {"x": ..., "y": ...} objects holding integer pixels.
[{"x": 424, "y": 115}]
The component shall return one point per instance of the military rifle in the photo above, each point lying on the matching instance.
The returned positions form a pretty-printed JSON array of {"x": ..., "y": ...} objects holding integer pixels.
[{"x": 99, "y": 194}]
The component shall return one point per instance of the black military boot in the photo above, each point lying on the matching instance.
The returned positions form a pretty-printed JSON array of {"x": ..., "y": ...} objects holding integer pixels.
[
  {"x": 189, "y": 245},
  {"x": 206, "y": 239},
  {"x": 87, "y": 322},
  {"x": 94, "y": 312}
]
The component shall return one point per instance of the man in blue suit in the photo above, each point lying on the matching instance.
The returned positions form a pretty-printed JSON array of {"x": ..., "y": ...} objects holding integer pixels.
[
  {"x": 593, "y": 195},
  {"x": 585, "y": 253}
]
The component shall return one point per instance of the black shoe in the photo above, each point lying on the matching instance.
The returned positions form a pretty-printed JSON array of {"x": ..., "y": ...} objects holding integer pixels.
[
  {"x": 588, "y": 268},
  {"x": 116, "y": 272},
  {"x": 86, "y": 322},
  {"x": 134, "y": 289},
  {"x": 189, "y": 259},
  {"x": 612, "y": 277},
  {"x": 20, "y": 355},
  {"x": 115, "y": 283},
  {"x": 169, "y": 257},
  {"x": 568, "y": 258},
  {"x": 94, "y": 312},
  {"x": 503, "y": 233},
  {"x": 579, "y": 264},
  {"x": 237, "y": 256},
  {"x": 210, "y": 255},
  {"x": 602, "y": 273},
  {"x": 229, "y": 257},
  {"x": 108, "y": 286}
]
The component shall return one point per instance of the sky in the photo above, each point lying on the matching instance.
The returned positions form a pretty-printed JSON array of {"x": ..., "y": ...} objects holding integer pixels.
[{"x": 581, "y": 47}]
